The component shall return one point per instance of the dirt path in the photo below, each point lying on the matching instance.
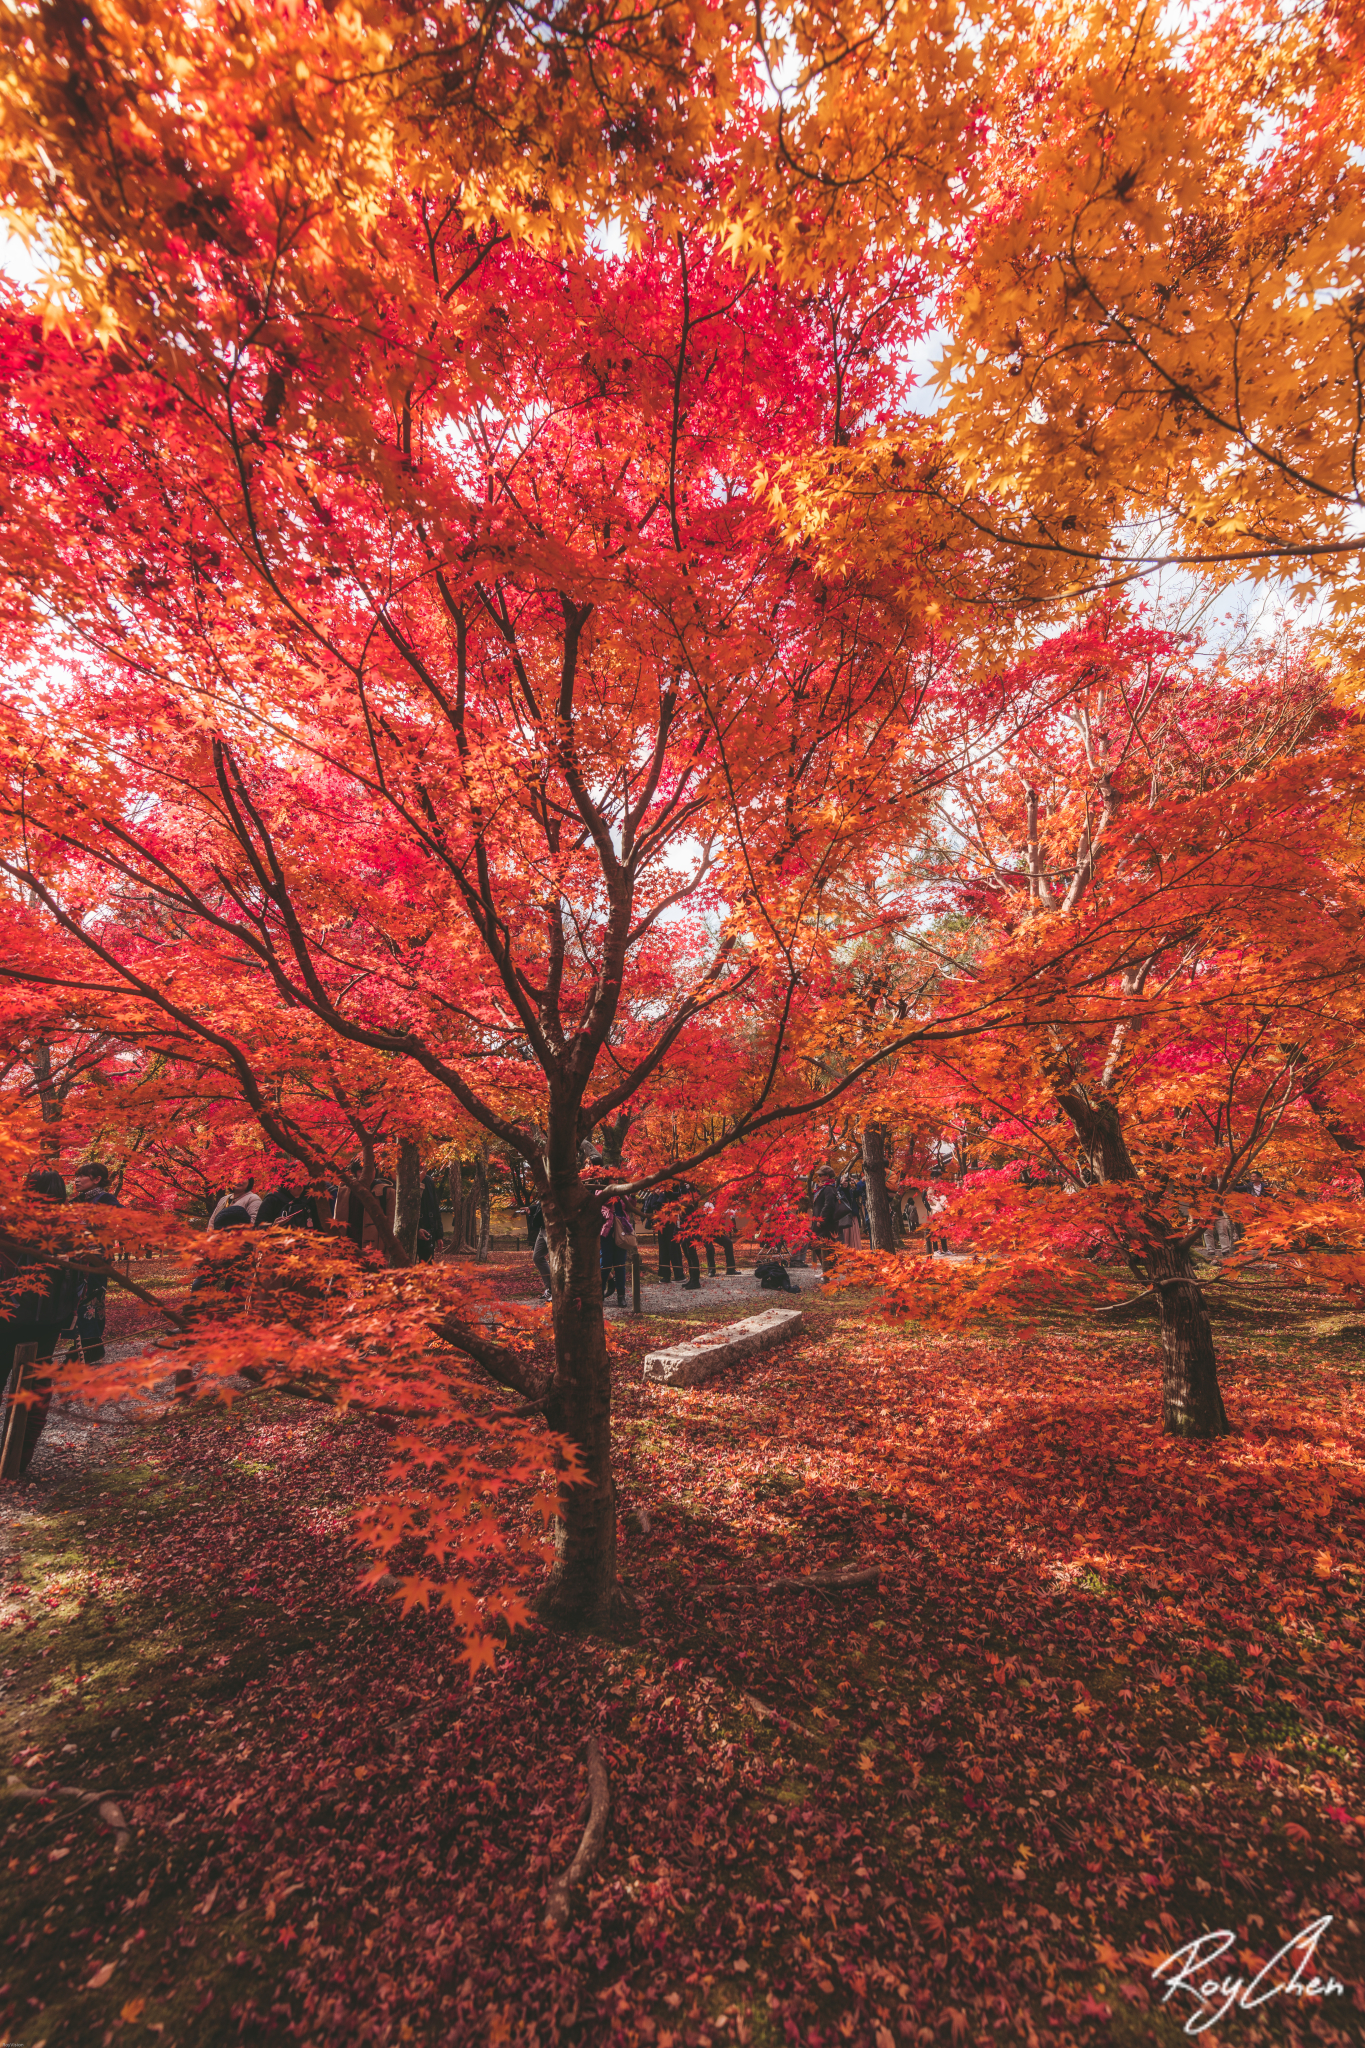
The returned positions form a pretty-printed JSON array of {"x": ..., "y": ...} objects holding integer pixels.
[{"x": 76, "y": 1438}]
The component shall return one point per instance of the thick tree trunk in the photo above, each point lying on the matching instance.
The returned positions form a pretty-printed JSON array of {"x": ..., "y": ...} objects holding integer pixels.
[
  {"x": 581, "y": 1590},
  {"x": 1191, "y": 1403},
  {"x": 878, "y": 1202},
  {"x": 408, "y": 1198}
]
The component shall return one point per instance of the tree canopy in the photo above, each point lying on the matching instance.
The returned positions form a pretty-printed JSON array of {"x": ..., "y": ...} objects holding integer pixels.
[{"x": 495, "y": 657}]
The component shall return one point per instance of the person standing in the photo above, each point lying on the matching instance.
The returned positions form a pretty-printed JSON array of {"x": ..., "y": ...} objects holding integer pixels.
[
  {"x": 617, "y": 1243},
  {"x": 691, "y": 1237},
  {"x": 857, "y": 1200},
  {"x": 850, "y": 1227},
  {"x": 670, "y": 1251},
  {"x": 540, "y": 1258},
  {"x": 36, "y": 1314},
  {"x": 430, "y": 1229},
  {"x": 719, "y": 1225},
  {"x": 292, "y": 1208},
  {"x": 243, "y": 1196},
  {"x": 353, "y": 1219},
  {"x": 829, "y": 1212},
  {"x": 90, "y": 1188}
]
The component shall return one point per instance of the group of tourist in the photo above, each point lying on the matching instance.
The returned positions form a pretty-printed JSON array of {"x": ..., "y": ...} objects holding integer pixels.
[
  {"x": 296, "y": 1205},
  {"x": 688, "y": 1225}
]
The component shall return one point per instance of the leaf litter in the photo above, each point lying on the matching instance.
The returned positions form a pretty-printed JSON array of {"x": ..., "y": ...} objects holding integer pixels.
[{"x": 1105, "y": 1694}]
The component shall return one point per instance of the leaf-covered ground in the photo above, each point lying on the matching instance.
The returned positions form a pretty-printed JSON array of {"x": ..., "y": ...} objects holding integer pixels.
[{"x": 1109, "y": 1695}]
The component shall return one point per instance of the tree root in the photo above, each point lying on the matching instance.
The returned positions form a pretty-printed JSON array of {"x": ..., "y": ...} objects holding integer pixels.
[
  {"x": 559, "y": 1905},
  {"x": 110, "y": 1812},
  {"x": 829, "y": 1582}
]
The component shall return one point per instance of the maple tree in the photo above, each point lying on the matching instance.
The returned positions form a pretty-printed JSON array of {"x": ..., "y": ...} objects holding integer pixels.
[
  {"x": 1134, "y": 865},
  {"x": 1150, "y": 322},
  {"x": 479, "y": 673},
  {"x": 444, "y": 717},
  {"x": 493, "y": 666},
  {"x": 1159, "y": 319}
]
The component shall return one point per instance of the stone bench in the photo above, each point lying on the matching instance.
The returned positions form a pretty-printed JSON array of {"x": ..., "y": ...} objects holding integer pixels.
[{"x": 686, "y": 1365}]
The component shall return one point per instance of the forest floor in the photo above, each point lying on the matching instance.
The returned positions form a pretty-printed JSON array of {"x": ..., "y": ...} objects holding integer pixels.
[{"x": 1107, "y": 1696}]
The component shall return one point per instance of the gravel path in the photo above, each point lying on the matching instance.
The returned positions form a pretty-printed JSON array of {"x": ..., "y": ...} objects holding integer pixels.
[{"x": 726, "y": 1291}]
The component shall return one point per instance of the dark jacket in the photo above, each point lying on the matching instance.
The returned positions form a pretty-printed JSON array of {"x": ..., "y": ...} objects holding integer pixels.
[
  {"x": 293, "y": 1208},
  {"x": 429, "y": 1217},
  {"x": 829, "y": 1209},
  {"x": 48, "y": 1298}
]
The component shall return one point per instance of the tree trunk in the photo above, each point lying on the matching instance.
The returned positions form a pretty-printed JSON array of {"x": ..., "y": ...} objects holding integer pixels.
[
  {"x": 408, "y": 1197},
  {"x": 456, "y": 1208},
  {"x": 49, "y": 1100},
  {"x": 581, "y": 1590},
  {"x": 878, "y": 1202},
  {"x": 1191, "y": 1403},
  {"x": 484, "y": 1205}
]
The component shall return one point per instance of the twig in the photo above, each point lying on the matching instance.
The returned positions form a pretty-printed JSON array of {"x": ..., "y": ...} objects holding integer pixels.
[
  {"x": 828, "y": 1582},
  {"x": 559, "y": 1905},
  {"x": 782, "y": 1720}
]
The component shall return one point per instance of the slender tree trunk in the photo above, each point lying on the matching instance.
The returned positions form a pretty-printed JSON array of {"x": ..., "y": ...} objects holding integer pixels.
[
  {"x": 581, "y": 1590},
  {"x": 456, "y": 1208},
  {"x": 408, "y": 1197},
  {"x": 878, "y": 1202},
  {"x": 1191, "y": 1402},
  {"x": 484, "y": 1204},
  {"x": 49, "y": 1101}
]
